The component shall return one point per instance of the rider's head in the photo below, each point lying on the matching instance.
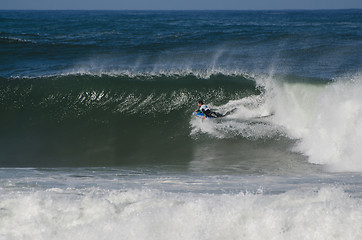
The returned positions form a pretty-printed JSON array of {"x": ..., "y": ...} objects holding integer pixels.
[{"x": 200, "y": 103}]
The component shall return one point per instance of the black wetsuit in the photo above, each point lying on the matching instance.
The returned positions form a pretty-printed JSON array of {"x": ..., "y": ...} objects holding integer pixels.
[{"x": 205, "y": 110}]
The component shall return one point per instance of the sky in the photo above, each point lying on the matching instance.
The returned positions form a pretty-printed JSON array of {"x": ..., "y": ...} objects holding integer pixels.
[{"x": 178, "y": 4}]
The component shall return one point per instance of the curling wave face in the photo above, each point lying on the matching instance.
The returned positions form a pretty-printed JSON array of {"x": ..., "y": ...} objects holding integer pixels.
[
  {"x": 118, "y": 118},
  {"x": 78, "y": 119}
]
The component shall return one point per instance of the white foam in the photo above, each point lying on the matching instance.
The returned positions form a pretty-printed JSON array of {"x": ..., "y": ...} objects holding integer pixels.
[
  {"x": 92, "y": 213},
  {"x": 250, "y": 119},
  {"x": 326, "y": 119}
]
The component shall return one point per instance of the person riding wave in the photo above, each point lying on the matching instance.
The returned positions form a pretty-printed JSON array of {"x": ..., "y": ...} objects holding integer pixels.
[{"x": 206, "y": 111}]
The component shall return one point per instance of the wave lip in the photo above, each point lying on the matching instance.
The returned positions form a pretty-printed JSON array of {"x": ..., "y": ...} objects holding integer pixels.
[
  {"x": 119, "y": 91},
  {"x": 204, "y": 73}
]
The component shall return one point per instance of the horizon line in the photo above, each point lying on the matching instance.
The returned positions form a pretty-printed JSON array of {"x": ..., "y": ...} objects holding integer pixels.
[{"x": 184, "y": 10}]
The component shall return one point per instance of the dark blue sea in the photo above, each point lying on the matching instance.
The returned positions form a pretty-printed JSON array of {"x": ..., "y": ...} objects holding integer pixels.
[{"x": 98, "y": 140}]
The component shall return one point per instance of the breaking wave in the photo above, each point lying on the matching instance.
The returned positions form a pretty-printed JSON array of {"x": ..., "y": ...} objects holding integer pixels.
[{"x": 112, "y": 110}]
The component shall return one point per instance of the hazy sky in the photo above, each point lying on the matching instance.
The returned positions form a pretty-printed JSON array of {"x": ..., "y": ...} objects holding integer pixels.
[{"x": 179, "y": 4}]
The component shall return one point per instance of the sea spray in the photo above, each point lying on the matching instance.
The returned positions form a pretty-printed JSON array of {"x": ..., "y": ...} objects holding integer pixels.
[
  {"x": 322, "y": 116},
  {"x": 325, "y": 118}
]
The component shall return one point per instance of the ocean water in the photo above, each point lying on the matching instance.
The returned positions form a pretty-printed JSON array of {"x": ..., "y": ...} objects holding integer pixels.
[{"x": 98, "y": 141}]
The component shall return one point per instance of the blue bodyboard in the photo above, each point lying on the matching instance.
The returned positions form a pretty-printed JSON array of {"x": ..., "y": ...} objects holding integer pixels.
[{"x": 199, "y": 114}]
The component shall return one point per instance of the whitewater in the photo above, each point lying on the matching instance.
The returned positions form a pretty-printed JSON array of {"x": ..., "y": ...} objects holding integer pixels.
[
  {"x": 123, "y": 204},
  {"x": 98, "y": 141},
  {"x": 324, "y": 118}
]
